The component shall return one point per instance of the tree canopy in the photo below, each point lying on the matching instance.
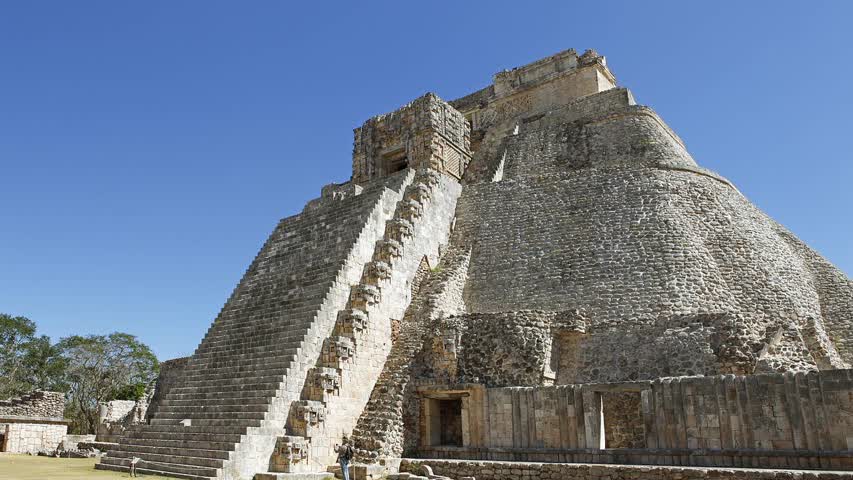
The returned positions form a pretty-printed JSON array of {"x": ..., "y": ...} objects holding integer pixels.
[
  {"x": 27, "y": 362},
  {"x": 90, "y": 369},
  {"x": 104, "y": 367}
]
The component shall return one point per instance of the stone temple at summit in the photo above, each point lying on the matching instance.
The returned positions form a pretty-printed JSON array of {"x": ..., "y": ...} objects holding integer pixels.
[{"x": 535, "y": 280}]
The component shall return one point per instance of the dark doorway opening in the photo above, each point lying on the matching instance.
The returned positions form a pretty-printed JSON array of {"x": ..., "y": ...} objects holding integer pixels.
[
  {"x": 395, "y": 161},
  {"x": 623, "y": 420},
  {"x": 450, "y": 412}
]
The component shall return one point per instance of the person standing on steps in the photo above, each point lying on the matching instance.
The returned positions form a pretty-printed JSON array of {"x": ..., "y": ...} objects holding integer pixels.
[{"x": 345, "y": 454}]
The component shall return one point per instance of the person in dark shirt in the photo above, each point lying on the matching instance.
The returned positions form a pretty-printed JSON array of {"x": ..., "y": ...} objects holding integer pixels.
[{"x": 345, "y": 454}]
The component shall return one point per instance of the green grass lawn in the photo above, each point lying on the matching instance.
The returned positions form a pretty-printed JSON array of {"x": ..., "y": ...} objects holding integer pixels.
[{"x": 28, "y": 467}]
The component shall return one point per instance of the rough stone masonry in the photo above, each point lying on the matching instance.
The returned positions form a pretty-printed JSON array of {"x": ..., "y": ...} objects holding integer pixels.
[
  {"x": 537, "y": 274},
  {"x": 32, "y": 423}
]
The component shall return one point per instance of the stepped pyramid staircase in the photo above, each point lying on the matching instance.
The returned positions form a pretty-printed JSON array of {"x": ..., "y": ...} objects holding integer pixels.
[
  {"x": 237, "y": 388},
  {"x": 267, "y": 359},
  {"x": 339, "y": 386}
]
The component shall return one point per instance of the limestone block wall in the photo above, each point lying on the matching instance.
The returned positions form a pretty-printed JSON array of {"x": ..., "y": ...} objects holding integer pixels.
[
  {"x": 560, "y": 471},
  {"x": 35, "y": 404},
  {"x": 767, "y": 420},
  {"x": 32, "y": 438},
  {"x": 536, "y": 87}
]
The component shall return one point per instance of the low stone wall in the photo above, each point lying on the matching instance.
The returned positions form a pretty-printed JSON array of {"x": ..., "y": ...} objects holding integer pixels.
[
  {"x": 770, "y": 420},
  {"x": 25, "y": 435},
  {"x": 787, "y": 459},
  {"x": 560, "y": 471},
  {"x": 35, "y": 404},
  {"x": 71, "y": 442}
]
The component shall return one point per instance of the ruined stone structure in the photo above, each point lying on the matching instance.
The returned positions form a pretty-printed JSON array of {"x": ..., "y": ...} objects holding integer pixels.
[
  {"x": 32, "y": 423},
  {"x": 536, "y": 272}
]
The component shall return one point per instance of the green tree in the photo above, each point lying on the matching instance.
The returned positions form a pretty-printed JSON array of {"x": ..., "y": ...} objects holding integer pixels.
[
  {"x": 44, "y": 365},
  {"x": 15, "y": 334},
  {"x": 27, "y": 362},
  {"x": 102, "y": 368}
]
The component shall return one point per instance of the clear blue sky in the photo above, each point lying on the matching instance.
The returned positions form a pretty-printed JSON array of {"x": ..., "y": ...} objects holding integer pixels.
[{"x": 147, "y": 149}]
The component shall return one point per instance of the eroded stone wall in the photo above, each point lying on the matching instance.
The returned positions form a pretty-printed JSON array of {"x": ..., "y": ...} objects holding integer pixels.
[
  {"x": 36, "y": 404},
  {"x": 427, "y": 133},
  {"x": 641, "y": 249},
  {"x": 507, "y": 348}
]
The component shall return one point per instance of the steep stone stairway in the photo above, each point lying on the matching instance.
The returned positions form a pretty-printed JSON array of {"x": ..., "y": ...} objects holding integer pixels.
[
  {"x": 222, "y": 418},
  {"x": 379, "y": 431},
  {"x": 339, "y": 385}
]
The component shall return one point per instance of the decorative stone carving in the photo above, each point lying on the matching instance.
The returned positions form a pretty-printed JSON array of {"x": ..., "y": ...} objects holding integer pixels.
[
  {"x": 387, "y": 250},
  {"x": 418, "y": 192},
  {"x": 363, "y": 295},
  {"x": 326, "y": 379},
  {"x": 377, "y": 271},
  {"x": 337, "y": 349},
  {"x": 290, "y": 451},
  {"x": 352, "y": 321},
  {"x": 399, "y": 228},
  {"x": 411, "y": 209},
  {"x": 305, "y": 413}
]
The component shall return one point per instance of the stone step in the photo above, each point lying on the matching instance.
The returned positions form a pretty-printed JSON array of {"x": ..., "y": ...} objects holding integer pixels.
[
  {"x": 233, "y": 380},
  {"x": 185, "y": 460},
  {"x": 221, "y": 402},
  {"x": 164, "y": 417},
  {"x": 237, "y": 396},
  {"x": 243, "y": 361},
  {"x": 182, "y": 444},
  {"x": 173, "y": 430},
  {"x": 298, "y": 313},
  {"x": 161, "y": 436},
  {"x": 210, "y": 422},
  {"x": 237, "y": 362},
  {"x": 259, "y": 336},
  {"x": 122, "y": 463},
  {"x": 228, "y": 387},
  {"x": 145, "y": 451},
  {"x": 208, "y": 408},
  {"x": 264, "y": 349}
]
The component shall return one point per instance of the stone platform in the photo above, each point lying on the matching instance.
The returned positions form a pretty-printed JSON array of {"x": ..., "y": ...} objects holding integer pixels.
[{"x": 486, "y": 470}]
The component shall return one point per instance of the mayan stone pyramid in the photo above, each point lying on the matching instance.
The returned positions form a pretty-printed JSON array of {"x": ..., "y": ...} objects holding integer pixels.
[{"x": 533, "y": 239}]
